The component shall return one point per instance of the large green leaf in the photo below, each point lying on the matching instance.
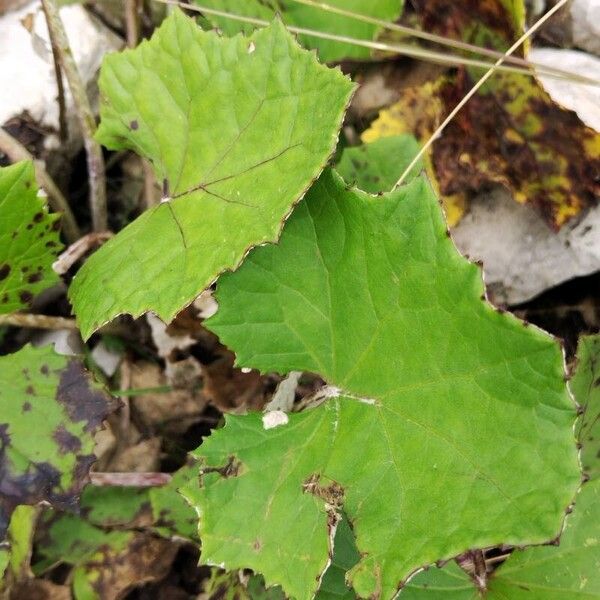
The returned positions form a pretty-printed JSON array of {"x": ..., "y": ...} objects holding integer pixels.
[
  {"x": 49, "y": 412},
  {"x": 570, "y": 571},
  {"x": 448, "y": 424},
  {"x": 29, "y": 239},
  {"x": 309, "y": 17},
  {"x": 585, "y": 386},
  {"x": 237, "y": 129}
]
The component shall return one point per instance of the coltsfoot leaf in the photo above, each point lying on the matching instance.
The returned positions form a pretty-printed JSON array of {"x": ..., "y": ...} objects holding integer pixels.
[
  {"x": 448, "y": 424},
  {"x": 236, "y": 129},
  {"x": 29, "y": 240},
  {"x": 49, "y": 412}
]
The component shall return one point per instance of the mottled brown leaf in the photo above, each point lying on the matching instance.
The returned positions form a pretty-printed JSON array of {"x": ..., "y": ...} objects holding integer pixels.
[
  {"x": 49, "y": 411},
  {"x": 511, "y": 132}
]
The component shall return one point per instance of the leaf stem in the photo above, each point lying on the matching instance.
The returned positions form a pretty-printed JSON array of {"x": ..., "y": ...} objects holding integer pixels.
[
  {"x": 95, "y": 160},
  {"x": 403, "y": 49},
  {"x": 16, "y": 152},
  {"x": 131, "y": 22},
  {"x": 34, "y": 321},
  {"x": 476, "y": 88},
  {"x": 161, "y": 389},
  {"x": 140, "y": 480}
]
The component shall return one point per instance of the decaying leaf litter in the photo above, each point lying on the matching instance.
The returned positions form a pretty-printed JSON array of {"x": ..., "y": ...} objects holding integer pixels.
[{"x": 328, "y": 304}]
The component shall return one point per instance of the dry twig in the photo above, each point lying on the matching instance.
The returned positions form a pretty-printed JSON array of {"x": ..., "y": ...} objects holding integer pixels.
[{"x": 95, "y": 160}]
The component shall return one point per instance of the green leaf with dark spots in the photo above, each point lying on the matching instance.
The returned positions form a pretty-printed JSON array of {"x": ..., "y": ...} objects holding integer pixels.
[
  {"x": 4, "y": 560},
  {"x": 49, "y": 412},
  {"x": 29, "y": 239},
  {"x": 171, "y": 512},
  {"x": 106, "y": 563}
]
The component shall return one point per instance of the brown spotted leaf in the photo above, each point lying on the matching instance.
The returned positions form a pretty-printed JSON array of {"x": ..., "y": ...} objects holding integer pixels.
[
  {"x": 106, "y": 562},
  {"x": 49, "y": 412},
  {"x": 29, "y": 239},
  {"x": 511, "y": 132}
]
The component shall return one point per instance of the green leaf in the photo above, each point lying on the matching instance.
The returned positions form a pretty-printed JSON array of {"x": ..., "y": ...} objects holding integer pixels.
[
  {"x": 20, "y": 536},
  {"x": 566, "y": 572},
  {"x": 257, "y": 591},
  {"x": 49, "y": 412},
  {"x": 585, "y": 386},
  {"x": 448, "y": 424},
  {"x": 376, "y": 167},
  {"x": 449, "y": 582},
  {"x": 4, "y": 561},
  {"x": 237, "y": 129},
  {"x": 345, "y": 556},
  {"x": 309, "y": 17},
  {"x": 569, "y": 571},
  {"x": 115, "y": 506},
  {"x": 29, "y": 239},
  {"x": 172, "y": 514}
]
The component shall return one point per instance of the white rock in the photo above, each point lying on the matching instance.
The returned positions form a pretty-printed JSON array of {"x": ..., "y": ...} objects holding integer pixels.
[
  {"x": 164, "y": 341},
  {"x": 274, "y": 418},
  {"x": 106, "y": 358},
  {"x": 585, "y": 16},
  {"x": 522, "y": 256},
  {"x": 27, "y": 77},
  {"x": 583, "y": 99},
  {"x": 65, "y": 341}
]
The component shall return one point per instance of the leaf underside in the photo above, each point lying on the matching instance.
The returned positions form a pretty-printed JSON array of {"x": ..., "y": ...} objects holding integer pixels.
[
  {"x": 49, "y": 411},
  {"x": 236, "y": 130},
  {"x": 29, "y": 239},
  {"x": 440, "y": 403},
  {"x": 309, "y": 17}
]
